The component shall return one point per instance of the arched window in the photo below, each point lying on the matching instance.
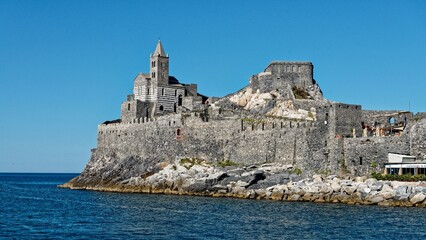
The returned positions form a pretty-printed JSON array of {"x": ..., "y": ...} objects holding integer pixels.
[
  {"x": 175, "y": 93},
  {"x": 180, "y": 100},
  {"x": 161, "y": 108},
  {"x": 128, "y": 107},
  {"x": 162, "y": 92},
  {"x": 147, "y": 91},
  {"x": 174, "y": 107}
]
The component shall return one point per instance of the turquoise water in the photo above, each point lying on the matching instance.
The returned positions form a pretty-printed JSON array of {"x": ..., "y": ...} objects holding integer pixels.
[{"x": 33, "y": 207}]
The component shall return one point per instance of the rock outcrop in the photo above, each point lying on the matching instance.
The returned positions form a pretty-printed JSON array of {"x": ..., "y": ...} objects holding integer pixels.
[{"x": 268, "y": 181}]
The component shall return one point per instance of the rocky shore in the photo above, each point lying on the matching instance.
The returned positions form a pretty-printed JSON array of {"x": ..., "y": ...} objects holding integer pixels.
[{"x": 267, "y": 181}]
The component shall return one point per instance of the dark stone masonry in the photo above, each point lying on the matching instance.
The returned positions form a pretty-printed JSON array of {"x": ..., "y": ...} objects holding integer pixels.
[{"x": 280, "y": 118}]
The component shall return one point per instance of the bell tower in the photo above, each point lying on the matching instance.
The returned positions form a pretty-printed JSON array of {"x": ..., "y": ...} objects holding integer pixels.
[{"x": 159, "y": 71}]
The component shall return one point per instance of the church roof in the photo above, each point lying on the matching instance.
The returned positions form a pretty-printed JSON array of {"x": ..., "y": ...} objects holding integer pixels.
[
  {"x": 173, "y": 80},
  {"x": 159, "y": 50}
]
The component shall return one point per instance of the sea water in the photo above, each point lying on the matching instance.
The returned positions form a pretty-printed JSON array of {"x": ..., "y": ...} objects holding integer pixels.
[{"x": 33, "y": 207}]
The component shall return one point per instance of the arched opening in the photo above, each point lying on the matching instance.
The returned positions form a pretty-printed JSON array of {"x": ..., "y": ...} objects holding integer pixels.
[
  {"x": 128, "y": 107},
  {"x": 174, "y": 107},
  {"x": 161, "y": 108},
  {"x": 180, "y": 100},
  {"x": 147, "y": 113},
  {"x": 392, "y": 120},
  {"x": 162, "y": 92},
  {"x": 175, "y": 93}
]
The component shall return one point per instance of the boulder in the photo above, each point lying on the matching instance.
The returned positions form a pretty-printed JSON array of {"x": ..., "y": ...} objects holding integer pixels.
[
  {"x": 402, "y": 193},
  {"x": 417, "y": 198},
  {"x": 335, "y": 186},
  {"x": 349, "y": 189},
  {"x": 242, "y": 184},
  {"x": 317, "y": 178}
]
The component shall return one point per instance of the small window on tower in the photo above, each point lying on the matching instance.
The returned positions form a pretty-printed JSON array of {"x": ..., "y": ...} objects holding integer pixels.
[
  {"x": 128, "y": 107},
  {"x": 147, "y": 91},
  {"x": 162, "y": 92}
]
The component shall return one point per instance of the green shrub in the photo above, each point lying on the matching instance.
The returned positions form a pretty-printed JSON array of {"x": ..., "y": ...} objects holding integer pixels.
[
  {"x": 300, "y": 93},
  {"x": 189, "y": 162},
  {"x": 298, "y": 171},
  {"x": 403, "y": 178}
]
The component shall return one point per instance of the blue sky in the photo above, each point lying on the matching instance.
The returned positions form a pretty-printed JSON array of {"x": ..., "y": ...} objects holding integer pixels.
[{"x": 66, "y": 66}]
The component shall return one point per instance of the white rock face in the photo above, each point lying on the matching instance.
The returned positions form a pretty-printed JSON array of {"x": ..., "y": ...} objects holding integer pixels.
[{"x": 283, "y": 108}]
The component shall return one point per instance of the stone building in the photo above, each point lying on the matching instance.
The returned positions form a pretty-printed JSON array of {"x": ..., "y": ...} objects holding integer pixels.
[{"x": 157, "y": 93}]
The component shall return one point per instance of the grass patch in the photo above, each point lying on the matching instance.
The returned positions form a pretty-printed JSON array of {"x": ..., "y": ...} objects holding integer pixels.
[{"x": 225, "y": 163}]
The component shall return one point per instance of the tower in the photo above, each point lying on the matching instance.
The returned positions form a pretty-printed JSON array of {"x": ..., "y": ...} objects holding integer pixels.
[{"x": 159, "y": 71}]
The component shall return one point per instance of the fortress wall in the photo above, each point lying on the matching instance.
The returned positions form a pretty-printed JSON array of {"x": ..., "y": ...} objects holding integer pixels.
[
  {"x": 344, "y": 118},
  {"x": 417, "y": 136},
  {"x": 229, "y": 139},
  {"x": 282, "y": 76},
  {"x": 300, "y": 74},
  {"x": 361, "y": 154}
]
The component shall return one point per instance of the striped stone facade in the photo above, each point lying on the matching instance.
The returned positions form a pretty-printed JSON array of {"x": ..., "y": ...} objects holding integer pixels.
[{"x": 157, "y": 92}]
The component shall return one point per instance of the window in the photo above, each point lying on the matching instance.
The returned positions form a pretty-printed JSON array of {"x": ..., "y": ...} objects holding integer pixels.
[
  {"x": 147, "y": 91},
  {"x": 128, "y": 107},
  {"x": 180, "y": 100},
  {"x": 162, "y": 92},
  {"x": 161, "y": 108},
  {"x": 360, "y": 160},
  {"x": 175, "y": 93}
]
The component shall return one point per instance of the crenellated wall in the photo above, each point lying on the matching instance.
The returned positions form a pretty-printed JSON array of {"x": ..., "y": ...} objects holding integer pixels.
[{"x": 241, "y": 140}]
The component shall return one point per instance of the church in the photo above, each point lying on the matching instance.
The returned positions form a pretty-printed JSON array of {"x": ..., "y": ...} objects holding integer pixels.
[{"x": 157, "y": 93}]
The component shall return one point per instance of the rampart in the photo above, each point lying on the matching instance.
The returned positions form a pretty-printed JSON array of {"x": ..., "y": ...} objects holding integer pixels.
[{"x": 241, "y": 140}]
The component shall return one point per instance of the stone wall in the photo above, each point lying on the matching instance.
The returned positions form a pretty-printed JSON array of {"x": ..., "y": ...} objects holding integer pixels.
[
  {"x": 381, "y": 118},
  {"x": 417, "y": 139},
  {"x": 344, "y": 118},
  {"x": 367, "y": 154},
  {"x": 240, "y": 140},
  {"x": 299, "y": 74}
]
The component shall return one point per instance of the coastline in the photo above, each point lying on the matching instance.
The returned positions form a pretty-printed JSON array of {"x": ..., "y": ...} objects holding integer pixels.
[{"x": 269, "y": 181}]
